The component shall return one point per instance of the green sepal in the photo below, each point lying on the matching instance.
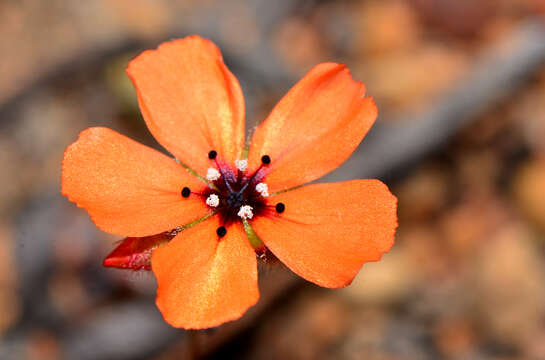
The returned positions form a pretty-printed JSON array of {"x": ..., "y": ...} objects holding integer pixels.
[{"x": 255, "y": 241}]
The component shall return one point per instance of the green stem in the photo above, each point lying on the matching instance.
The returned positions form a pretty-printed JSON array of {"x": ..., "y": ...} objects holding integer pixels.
[
  {"x": 193, "y": 172},
  {"x": 286, "y": 190},
  {"x": 195, "y": 222},
  {"x": 255, "y": 241},
  {"x": 245, "y": 151}
]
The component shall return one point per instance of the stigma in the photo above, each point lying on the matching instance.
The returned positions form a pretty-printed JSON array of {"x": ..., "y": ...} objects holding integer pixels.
[
  {"x": 212, "y": 174},
  {"x": 242, "y": 165},
  {"x": 263, "y": 189},
  {"x": 246, "y": 212},
  {"x": 213, "y": 200}
]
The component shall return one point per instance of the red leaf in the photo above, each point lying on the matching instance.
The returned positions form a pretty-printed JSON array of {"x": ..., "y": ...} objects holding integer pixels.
[{"x": 135, "y": 252}]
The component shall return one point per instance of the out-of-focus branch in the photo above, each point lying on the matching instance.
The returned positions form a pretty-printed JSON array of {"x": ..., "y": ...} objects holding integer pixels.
[{"x": 391, "y": 146}]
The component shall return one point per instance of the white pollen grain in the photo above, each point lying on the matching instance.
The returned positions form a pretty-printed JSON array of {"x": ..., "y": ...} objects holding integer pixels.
[
  {"x": 245, "y": 212},
  {"x": 263, "y": 189},
  {"x": 213, "y": 200},
  {"x": 242, "y": 165},
  {"x": 212, "y": 174}
]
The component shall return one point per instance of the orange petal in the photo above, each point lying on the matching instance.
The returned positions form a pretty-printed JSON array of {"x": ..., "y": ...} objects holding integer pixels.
[
  {"x": 128, "y": 189},
  {"x": 328, "y": 231},
  {"x": 204, "y": 281},
  {"x": 314, "y": 128},
  {"x": 135, "y": 252},
  {"x": 190, "y": 101}
]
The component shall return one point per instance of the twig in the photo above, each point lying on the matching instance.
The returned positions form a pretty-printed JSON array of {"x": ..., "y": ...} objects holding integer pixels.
[{"x": 391, "y": 146}]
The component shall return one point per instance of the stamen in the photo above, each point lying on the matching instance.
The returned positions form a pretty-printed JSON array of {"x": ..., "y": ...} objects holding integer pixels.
[
  {"x": 266, "y": 159},
  {"x": 263, "y": 189},
  {"x": 246, "y": 212},
  {"x": 213, "y": 200},
  {"x": 186, "y": 192},
  {"x": 212, "y": 174},
  {"x": 221, "y": 173},
  {"x": 221, "y": 231},
  {"x": 280, "y": 207},
  {"x": 242, "y": 165},
  {"x": 212, "y": 154}
]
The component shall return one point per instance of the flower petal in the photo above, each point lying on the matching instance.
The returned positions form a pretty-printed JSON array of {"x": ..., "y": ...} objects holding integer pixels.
[
  {"x": 135, "y": 252},
  {"x": 190, "y": 101},
  {"x": 204, "y": 281},
  {"x": 328, "y": 231},
  {"x": 314, "y": 128},
  {"x": 128, "y": 189}
]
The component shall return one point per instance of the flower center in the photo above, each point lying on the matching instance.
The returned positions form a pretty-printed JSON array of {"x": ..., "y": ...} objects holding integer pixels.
[
  {"x": 235, "y": 195},
  {"x": 235, "y": 199}
]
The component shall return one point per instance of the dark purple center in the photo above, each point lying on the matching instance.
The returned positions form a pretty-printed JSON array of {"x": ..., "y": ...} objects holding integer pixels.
[{"x": 236, "y": 189}]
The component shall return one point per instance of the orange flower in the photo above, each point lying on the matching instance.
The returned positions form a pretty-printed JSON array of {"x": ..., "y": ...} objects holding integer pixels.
[{"x": 203, "y": 218}]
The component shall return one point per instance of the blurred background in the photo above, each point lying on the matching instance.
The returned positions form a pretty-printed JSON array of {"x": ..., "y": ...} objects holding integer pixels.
[{"x": 460, "y": 139}]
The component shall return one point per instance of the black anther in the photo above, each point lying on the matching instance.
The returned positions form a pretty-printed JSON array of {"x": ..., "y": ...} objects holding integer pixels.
[
  {"x": 212, "y": 154},
  {"x": 186, "y": 192},
  {"x": 221, "y": 231},
  {"x": 266, "y": 159},
  {"x": 280, "y": 207}
]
